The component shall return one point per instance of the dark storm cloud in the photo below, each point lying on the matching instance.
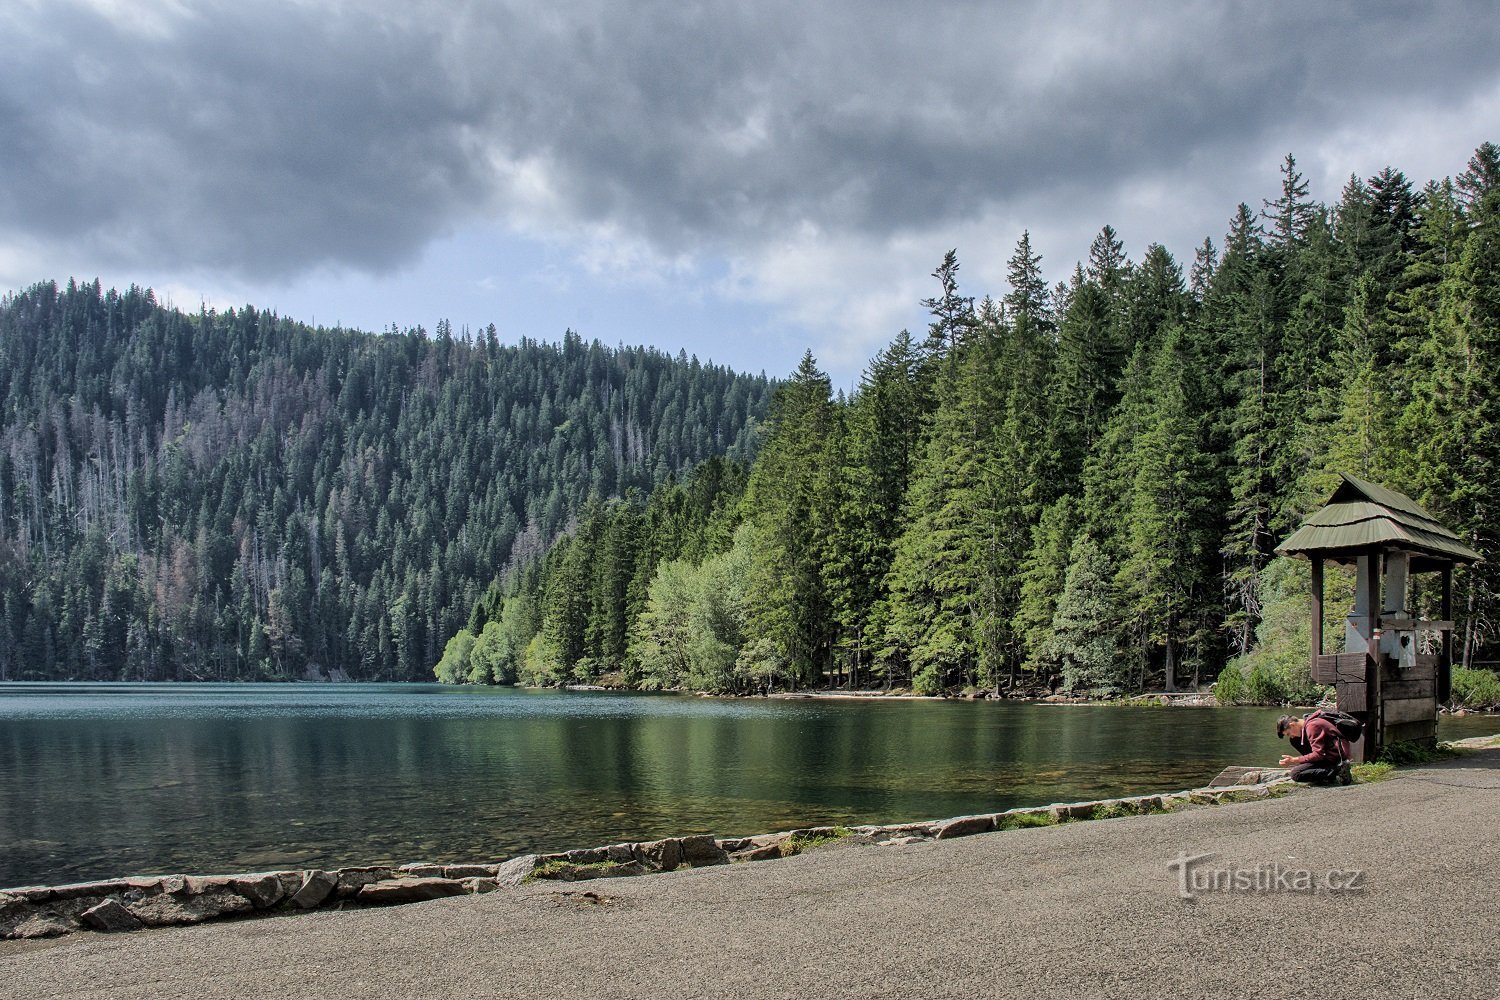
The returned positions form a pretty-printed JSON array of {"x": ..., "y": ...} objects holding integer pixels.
[{"x": 267, "y": 139}]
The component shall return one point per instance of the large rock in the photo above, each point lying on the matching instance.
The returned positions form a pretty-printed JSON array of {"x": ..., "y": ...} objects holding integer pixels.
[
  {"x": 262, "y": 890},
  {"x": 516, "y": 871},
  {"x": 351, "y": 880},
  {"x": 702, "y": 850},
  {"x": 578, "y": 873},
  {"x": 469, "y": 871},
  {"x": 662, "y": 855},
  {"x": 99, "y": 890},
  {"x": 587, "y": 856},
  {"x": 316, "y": 887},
  {"x": 188, "y": 908},
  {"x": 110, "y": 916},
  {"x": 757, "y": 852},
  {"x": 963, "y": 826},
  {"x": 1065, "y": 811},
  {"x": 421, "y": 869},
  {"x": 410, "y": 890},
  {"x": 45, "y": 920}
]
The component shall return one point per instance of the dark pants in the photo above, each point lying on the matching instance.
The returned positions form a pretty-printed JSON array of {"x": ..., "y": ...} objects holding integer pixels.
[{"x": 1317, "y": 772}]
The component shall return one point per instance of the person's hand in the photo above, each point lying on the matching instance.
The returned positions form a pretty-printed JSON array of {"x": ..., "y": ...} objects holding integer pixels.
[{"x": 1286, "y": 759}]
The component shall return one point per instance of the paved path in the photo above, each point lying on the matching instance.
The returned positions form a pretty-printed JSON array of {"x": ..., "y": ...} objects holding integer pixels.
[{"x": 1089, "y": 909}]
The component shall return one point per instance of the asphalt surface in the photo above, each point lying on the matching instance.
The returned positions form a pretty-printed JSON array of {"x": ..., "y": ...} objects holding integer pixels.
[{"x": 1082, "y": 910}]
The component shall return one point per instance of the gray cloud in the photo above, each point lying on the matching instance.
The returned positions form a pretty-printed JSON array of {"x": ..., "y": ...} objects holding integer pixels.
[{"x": 266, "y": 140}]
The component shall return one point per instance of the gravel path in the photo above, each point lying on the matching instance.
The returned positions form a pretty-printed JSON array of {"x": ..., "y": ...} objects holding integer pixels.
[{"x": 1087, "y": 909}]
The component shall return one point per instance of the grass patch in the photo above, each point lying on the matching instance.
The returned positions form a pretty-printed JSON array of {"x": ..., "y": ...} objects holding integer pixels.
[
  {"x": 1366, "y": 774},
  {"x": 796, "y": 844},
  {"x": 1408, "y": 753},
  {"x": 1022, "y": 821},
  {"x": 560, "y": 867}
]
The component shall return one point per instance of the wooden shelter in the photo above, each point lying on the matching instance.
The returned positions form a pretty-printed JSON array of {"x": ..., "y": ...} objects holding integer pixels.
[{"x": 1394, "y": 669}]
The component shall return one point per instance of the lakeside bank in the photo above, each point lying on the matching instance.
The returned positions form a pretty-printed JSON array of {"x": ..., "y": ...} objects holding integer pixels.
[{"x": 1079, "y": 909}]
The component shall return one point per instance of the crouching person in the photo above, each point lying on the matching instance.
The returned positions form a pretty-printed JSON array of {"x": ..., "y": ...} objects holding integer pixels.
[{"x": 1324, "y": 752}]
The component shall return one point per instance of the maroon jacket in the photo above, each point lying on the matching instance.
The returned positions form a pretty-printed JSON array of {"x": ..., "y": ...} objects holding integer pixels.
[{"x": 1325, "y": 744}]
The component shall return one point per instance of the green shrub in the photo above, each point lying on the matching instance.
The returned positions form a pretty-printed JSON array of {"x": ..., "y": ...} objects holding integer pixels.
[
  {"x": 1230, "y": 689},
  {"x": 1477, "y": 689},
  {"x": 928, "y": 680}
]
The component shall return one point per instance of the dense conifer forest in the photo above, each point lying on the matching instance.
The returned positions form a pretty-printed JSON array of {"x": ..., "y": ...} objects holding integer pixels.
[
  {"x": 1075, "y": 485},
  {"x": 238, "y": 496}
]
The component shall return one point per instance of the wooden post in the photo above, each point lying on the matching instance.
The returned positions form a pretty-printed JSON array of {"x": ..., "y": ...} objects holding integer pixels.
[
  {"x": 1317, "y": 608},
  {"x": 1445, "y": 659},
  {"x": 1374, "y": 738}
]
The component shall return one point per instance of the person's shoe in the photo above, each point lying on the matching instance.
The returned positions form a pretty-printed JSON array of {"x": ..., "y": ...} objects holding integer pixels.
[{"x": 1346, "y": 774}]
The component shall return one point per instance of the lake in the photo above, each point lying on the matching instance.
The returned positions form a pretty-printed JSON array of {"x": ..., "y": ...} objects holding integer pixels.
[{"x": 103, "y": 780}]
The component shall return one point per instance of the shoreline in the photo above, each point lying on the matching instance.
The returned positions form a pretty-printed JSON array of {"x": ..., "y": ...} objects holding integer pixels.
[
  {"x": 1077, "y": 909},
  {"x": 136, "y": 902},
  {"x": 1153, "y": 699}
]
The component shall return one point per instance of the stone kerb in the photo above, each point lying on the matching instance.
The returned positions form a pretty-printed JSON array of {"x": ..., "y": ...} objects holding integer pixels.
[{"x": 125, "y": 904}]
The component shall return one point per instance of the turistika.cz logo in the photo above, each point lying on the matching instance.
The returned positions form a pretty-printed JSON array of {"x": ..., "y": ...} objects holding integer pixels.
[{"x": 1194, "y": 877}]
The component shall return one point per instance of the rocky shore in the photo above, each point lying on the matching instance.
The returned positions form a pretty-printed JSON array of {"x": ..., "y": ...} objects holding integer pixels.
[{"x": 127, "y": 904}]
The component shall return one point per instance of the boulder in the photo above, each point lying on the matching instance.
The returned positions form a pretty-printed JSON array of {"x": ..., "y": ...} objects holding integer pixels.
[
  {"x": 39, "y": 922},
  {"x": 899, "y": 830},
  {"x": 757, "y": 852},
  {"x": 580, "y": 873},
  {"x": 587, "y": 856},
  {"x": 316, "y": 887},
  {"x": 702, "y": 850},
  {"x": 421, "y": 870},
  {"x": 262, "y": 890},
  {"x": 188, "y": 908},
  {"x": 98, "y": 890},
  {"x": 662, "y": 855},
  {"x": 409, "y": 890},
  {"x": 963, "y": 826},
  {"x": 620, "y": 853},
  {"x": 516, "y": 871},
  {"x": 478, "y": 885},
  {"x": 351, "y": 880},
  {"x": 1065, "y": 811},
  {"x": 209, "y": 883},
  {"x": 110, "y": 916},
  {"x": 469, "y": 871}
]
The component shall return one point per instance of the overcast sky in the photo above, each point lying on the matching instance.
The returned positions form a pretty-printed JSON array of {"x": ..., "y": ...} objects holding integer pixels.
[{"x": 741, "y": 180}]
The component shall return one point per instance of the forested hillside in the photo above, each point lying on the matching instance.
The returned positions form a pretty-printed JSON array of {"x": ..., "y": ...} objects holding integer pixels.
[
  {"x": 238, "y": 496},
  {"x": 1078, "y": 484}
]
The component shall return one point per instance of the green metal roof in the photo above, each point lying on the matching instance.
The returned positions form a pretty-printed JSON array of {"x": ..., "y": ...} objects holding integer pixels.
[{"x": 1361, "y": 516}]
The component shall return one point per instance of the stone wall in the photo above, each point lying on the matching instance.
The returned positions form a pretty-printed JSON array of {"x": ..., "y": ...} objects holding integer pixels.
[{"x": 132, "y": 903}]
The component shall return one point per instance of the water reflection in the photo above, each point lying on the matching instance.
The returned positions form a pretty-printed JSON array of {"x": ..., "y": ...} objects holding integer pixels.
[{"x": 102, "y": 780}]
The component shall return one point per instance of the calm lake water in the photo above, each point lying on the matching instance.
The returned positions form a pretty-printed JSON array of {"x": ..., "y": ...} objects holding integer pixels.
[{"x": 102, "y": 780}]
